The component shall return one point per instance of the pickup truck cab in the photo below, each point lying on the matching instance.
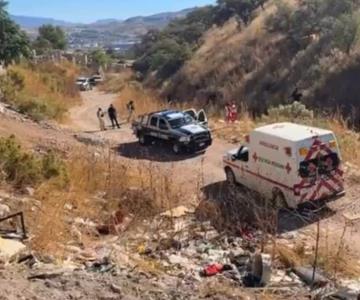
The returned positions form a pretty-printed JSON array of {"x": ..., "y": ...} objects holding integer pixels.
[
  {"x": 175, "y": 127},
  {"x": 288, "y": 164},
  {"x": 96, "y": 80}
]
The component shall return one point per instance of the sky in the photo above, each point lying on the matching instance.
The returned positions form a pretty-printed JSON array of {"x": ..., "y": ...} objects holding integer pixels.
[{"x": 86, "y": 11}]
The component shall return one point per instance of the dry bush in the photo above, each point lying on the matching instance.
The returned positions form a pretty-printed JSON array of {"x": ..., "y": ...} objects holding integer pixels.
[
  {"x": 334, "y": 256},
  {"x": 115, "y": 83},
  {"x": 222, "y": 289},
  {"x": 288, "y": 256},
  {"x": 99, "y": 185},
  {"x": 145, "y": 101},
  {"x": 46, "y": 90}
]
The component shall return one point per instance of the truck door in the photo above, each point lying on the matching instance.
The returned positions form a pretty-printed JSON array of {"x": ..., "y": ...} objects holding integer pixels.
[
  {"x": 202, "y": 118},
  {"x": 163, "y": 129},
  {"x": 154, "y": 130},
  {"x": 241, "y": 161},
  {"x": 191, "y": 112}
]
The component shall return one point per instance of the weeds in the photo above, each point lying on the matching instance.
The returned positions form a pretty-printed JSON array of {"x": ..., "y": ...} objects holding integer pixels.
[
  {"x": 98, "y": 186},
  {"x": 43, "y": 91},
  {"x": 22, "y": 168}
]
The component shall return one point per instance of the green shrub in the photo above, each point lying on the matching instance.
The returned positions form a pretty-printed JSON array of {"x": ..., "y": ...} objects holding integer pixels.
[
  {"x": 22, "y": 168},
  {"x": 291, "y": 112}
]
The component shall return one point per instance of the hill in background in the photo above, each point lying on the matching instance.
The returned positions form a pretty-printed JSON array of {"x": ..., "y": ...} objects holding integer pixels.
[
  {"x": 107, "y": 32},
  {"x": 258, "y": 59}
]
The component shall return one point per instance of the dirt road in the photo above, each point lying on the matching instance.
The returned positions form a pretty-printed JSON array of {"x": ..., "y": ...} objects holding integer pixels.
[
  {"x": 83, "y": 118},
  {"x": 187, "y": 169}
]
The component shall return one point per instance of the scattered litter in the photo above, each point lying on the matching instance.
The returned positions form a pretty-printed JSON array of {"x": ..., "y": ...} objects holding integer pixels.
[
  {"x": 102, "y": 266},
  {"x": 306, "y": 275},
  {"x": 260, "y": 272},
  {"x": 178, "y": 260},
  {"x": 10, "y": 248},
  {"x": 261, "y": 268},
  {"x": 177, "y": 212},
  {"x": 214, "y": 269}
]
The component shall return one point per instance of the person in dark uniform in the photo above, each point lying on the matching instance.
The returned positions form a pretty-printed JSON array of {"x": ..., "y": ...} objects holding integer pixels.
[
  {"x": 296, "y": 95},
  {"x": 113, "y": 116}
]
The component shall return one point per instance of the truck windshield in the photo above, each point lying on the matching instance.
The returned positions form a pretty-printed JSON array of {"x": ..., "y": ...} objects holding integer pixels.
[
  {"x": 179, "y": 122},
  {"x": 322, "y": 165}
]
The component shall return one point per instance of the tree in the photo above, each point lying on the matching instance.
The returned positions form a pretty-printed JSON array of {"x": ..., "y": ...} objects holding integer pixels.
[
  {"x": 13, "y": 42},
  {"x": 99, "y": 57},
  {"x": 241, "y": 8},
  {"x": 50, "y": 37}
]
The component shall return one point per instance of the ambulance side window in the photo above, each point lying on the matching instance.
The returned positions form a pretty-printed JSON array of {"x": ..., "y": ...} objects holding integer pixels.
[{"x": 243, "y": 154}]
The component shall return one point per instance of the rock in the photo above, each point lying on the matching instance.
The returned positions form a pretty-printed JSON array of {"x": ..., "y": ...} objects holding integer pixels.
[
  {"x": 75, "y": 233},
  {"x": 115, "y": 288},
  {"x": 4, "y": 210},
  {"x": 29, "y": 191},
  {"x": 90, "y": 139},
  {"x": 46, "y": 275},
  {"x": 68, "y": 206},
  {"x": 178, "y": 260},
  {"x": 46, "y": 259},
  {"x": 10, "y": 248}
]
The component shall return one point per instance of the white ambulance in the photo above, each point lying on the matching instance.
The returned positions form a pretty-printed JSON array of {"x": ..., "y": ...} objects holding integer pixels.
[{"x": 288, "y": 163}]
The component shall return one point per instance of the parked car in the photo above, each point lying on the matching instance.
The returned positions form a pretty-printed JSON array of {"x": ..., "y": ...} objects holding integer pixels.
[
  {"x": 95, "y": 80},
  {"x": 83, "y": 83},
  {"x": 288, "y": 163},
  {"x": 177, "y": 128}
]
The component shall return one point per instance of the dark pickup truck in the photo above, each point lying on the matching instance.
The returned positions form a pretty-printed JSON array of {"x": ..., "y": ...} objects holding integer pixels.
[{"x": 179, "y": 129}]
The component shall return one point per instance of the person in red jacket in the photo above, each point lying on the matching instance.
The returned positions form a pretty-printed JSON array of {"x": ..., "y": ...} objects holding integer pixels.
[{"x": 233, "y": 112}]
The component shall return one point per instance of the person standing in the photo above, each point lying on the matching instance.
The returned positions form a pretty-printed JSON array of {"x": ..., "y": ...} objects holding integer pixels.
[
  {"x": 130, "y": 108},
  {"x": 113, "y": 116},
  {"x": 233, "y": 112},
  {"x": 100, "y": 116}
]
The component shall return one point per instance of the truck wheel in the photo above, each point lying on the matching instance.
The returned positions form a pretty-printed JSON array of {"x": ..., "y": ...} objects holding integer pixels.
[
  {"x": 230, "y": 177},
  {"x": 176, "y": 148},
  {"x": 143, "y": 140}
]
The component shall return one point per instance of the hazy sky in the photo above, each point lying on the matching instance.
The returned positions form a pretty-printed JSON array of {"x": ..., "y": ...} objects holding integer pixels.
[{"x": 91, "y": 10}]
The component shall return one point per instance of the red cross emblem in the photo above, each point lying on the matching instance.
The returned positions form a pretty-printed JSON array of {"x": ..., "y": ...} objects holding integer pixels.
[
  {"x": 288, "y": 168},
  {"x": 255, "y": 157}
]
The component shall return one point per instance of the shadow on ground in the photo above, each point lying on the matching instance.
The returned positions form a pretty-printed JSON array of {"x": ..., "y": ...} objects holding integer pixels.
[
  {"x": 159, "y": 152},
  {"x": 238, "y": 206}
]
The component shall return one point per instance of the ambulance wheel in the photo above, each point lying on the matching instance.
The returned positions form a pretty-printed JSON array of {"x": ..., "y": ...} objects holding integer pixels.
[
  {"x": 278, "y": 200},
  {"x": 230, "y": 177}
]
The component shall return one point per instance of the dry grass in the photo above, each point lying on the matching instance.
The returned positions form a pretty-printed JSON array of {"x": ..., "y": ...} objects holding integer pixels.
[
  {"x": 145, "y": 101},
  {"x": 48, "y": 89},
  {"x": 335, "y": 258},
  {"x": 114, "y": 83},
  {"x": 100, "y": 184}
]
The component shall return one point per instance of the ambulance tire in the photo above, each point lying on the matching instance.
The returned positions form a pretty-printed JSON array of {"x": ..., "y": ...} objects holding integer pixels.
[
  {"x": 279, "y": 201},
  {"x": 230, "y": 177}
]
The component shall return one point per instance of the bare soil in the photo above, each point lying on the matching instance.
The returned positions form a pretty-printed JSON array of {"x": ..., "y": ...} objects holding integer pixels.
[{"x": 189, "y": 172}]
